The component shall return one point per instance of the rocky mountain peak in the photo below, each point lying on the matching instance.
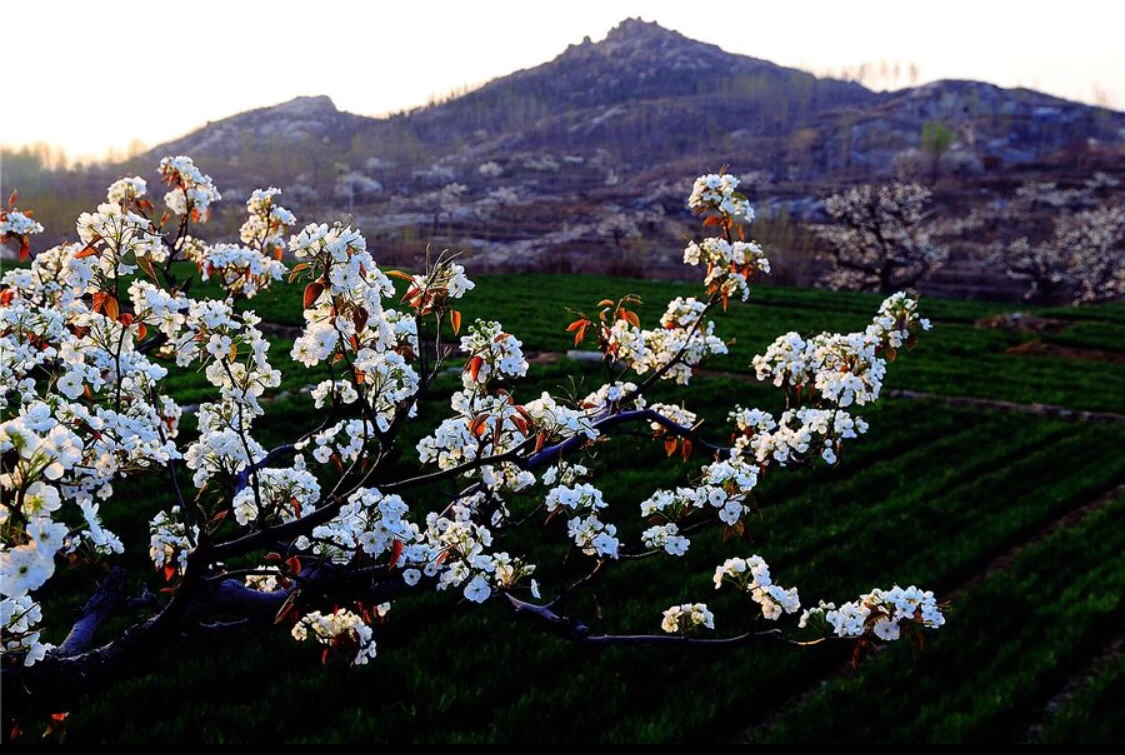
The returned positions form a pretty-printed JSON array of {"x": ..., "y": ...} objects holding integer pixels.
[
  {"x": 639, "y": 31},
  {"x": 303, "y": 107}
]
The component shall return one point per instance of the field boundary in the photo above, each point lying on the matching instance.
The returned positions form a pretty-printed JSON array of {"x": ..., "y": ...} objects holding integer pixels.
[{"x": 1041, "y": 410}]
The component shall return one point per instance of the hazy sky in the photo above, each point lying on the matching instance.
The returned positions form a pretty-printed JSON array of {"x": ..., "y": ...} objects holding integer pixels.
[{"x": 93, "y": 75}]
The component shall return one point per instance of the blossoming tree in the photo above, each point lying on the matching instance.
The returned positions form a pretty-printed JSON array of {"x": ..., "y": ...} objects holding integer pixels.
[
  {"x": 1081, "y": 258},
  {"x": 881, "y": 238},
  {"x": 320, "y": 535}
]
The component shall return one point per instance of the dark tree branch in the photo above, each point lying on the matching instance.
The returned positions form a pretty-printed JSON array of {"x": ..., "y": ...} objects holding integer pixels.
[
  {"x": 109, "y": 599},
  {"x": 576, "y": 631}
]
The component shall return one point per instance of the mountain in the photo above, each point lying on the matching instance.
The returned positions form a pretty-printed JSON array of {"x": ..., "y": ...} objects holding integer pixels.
[{"x": 581, "y": 161}]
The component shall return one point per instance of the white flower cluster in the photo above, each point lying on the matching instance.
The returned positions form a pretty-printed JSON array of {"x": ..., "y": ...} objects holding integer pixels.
[
  {"x": 18, "y": 223},
  {"x": 678, "y": 414},
  {"x": 169, "y": 544},
  {"x": 241, "y": 271},
  {"x": 61, "y": 452},
  {"x": 232, "y": 349},
  {"x": 492, "y": 355},
  {"x": 266, "y": 223},
  {"x": 752, "y": 576},
  {"x": 343, "y": 442},
  {"x": 559, "y": 421},
  {"x": 446, "y": 281},
  {"x": 795, "y": 434},
  {"x": 610, "y": 397},
  {"x": 730, "y": 266},
  {"x": 339, "y": 629},
  {"x": 667, "y": 537},
  {"x": 455, "y": 550},
  {"x": 124, "y": 191},
  {"x": 574, "y": 500},
  {"x": 329, "y": 391},
  {"x": 684, "y": 340},
  {"x": 271, "y": 582},
  {"x": 726, "y": 484},
  {"x": 192, "y": 192},
  {"x": 593, "y": 536},
  {"x": 116, "y": 234},
  {"x": 483, "y": 425},
  {"x": 687, "y": 618},
  {"x": 718, "y": 193},
  {"x": 843, "y": 369},
  {"x": 274, "y": 495},
  {"x": 234, "y": 353},
  {"x": 582, "y": 502},
  {"x": 564, "y": 473},
  {"x": 880, "y": 613},
  {"x": 154, "y": 307},
  {"x": 344, "y": 309},
  {"x": 387, "y": 380},
  {"x": 368, "y": 526}
]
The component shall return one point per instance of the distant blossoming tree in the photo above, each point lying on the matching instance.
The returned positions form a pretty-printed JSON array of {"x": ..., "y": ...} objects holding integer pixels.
[
  {"x": 319, "y": 535},
  {"x": 881, "y": 238},
  {"x": 1082, "y": 258}
]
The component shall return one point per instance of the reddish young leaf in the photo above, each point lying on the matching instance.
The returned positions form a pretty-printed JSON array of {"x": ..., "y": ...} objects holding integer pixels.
[
  {"x": 359, "y": 317},
  {"x": 313, "y": 292},
  {"x": 474, "y": 366},
  {"x": 580, "y": 336},
  {"x": 111, "y": 307}
]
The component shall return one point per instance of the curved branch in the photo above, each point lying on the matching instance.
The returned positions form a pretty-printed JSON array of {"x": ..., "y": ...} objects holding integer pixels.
[
  {"x": 109, "y": 599},
  {"x": 551, "y": 453},
  {"x": 576, "y": 631}
]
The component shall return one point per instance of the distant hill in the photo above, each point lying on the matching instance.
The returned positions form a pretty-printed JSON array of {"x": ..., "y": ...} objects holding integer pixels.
[
  {"x": 586, "y": 156},
  {"x": 650, "y": 94}
]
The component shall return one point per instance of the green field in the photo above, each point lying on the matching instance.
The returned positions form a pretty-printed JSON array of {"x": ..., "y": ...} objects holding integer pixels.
[{"x": 932, "y": 495}]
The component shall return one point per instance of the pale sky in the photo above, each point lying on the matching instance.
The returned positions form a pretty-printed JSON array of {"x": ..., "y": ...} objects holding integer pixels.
[{"x": 93, "y": 75}]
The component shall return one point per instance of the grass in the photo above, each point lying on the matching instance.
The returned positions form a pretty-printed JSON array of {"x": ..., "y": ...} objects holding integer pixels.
[
  {"x": 1094, "y": 713},
  {"x": 930, "y": 496},
  {"x": 1011, "y": 643}
]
